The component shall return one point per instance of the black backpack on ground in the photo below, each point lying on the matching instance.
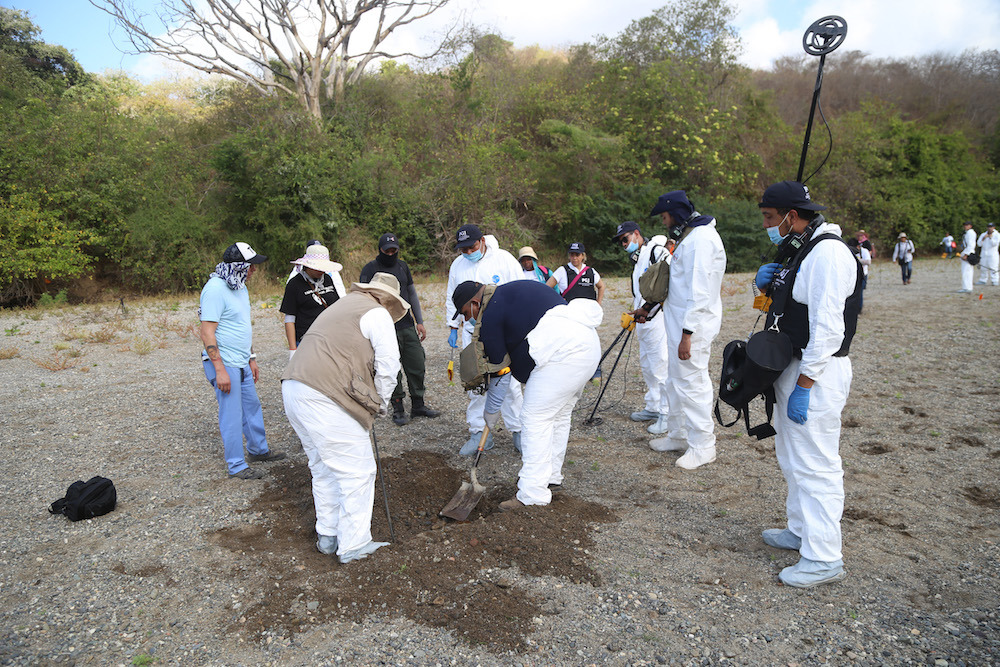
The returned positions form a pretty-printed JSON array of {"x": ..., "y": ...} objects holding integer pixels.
[{"x": 85, "y": 500}]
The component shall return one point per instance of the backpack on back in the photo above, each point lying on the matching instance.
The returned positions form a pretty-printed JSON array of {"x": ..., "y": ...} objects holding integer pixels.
[{"x": 85, "y": 500}]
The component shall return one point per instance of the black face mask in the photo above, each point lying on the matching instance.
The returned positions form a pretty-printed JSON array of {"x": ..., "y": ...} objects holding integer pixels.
[{"x": 387, "y": 260}]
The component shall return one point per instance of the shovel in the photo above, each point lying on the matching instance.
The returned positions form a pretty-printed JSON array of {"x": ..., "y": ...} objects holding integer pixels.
[{"x": 470, "y": 493}]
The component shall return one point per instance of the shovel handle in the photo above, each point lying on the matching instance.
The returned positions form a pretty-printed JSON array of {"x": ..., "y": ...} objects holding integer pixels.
[{"x": 482, "y": 443}]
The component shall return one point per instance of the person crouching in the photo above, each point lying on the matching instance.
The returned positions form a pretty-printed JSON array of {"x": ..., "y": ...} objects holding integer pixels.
[
  {"x": 339, "y": 380},
  {"x": 550, "y": 347}
]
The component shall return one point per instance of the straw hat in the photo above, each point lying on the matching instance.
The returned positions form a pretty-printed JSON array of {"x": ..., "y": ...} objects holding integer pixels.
[
  {"x": 318, "y": 257},
  {"x": 385, "y": 288},
  {"x": 527, "y": 251}
]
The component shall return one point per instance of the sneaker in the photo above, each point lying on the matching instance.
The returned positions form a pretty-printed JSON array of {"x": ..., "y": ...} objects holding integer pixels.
[
  {"x": 248, "y": 473},
  {"x": 659, "y": 426},
  {"x": 980, "y": 282},
  {"x": 361, "y": 552},
  {"x": 644, "y": 415},
  {"x": 472, "y": 445},
  {"x": 964, "y": 291},
  {"x": 667, "y": 444},
  {"x": 511, "y": 505},
  {"x": 555, "y": 488},
  {"x": 808, "y": 573},
  {"x": 327, "y": 545},
  {"x": 695, "y": 458},
  {"x": 516, "y": 437},
  {"x": 782, "y": 538},
  {"x": 269, "y": 455}
]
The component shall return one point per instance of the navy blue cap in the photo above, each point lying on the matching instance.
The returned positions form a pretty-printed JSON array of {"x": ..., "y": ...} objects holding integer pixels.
[
  {"x": 676, "y": 203},
  {"x": 467, "y": 236},
  {"x": 625, "y": 228},
  {"x": 576, "y": 246},
  {"x": 789, "y": 194}
]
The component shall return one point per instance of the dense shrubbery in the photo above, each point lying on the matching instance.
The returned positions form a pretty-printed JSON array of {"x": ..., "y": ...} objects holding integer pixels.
[{"x": 147, "y": 184}]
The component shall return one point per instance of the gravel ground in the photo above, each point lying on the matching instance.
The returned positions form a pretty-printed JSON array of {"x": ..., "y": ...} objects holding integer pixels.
[{"x": 680, "y": 575}]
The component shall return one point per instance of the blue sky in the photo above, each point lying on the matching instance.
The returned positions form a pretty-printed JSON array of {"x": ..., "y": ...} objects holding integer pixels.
[{"x": 769, "y": 28}]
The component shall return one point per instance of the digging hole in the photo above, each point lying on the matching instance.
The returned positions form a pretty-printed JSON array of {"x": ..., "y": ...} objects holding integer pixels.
[{"x": 459, "y": 576}]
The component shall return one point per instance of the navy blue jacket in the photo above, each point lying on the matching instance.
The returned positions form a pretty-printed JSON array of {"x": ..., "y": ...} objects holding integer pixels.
[{"x": 512, "y": 312}]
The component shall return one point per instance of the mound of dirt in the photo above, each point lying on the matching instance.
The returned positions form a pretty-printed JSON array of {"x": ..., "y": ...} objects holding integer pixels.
[{"x": 441, "y": 573}]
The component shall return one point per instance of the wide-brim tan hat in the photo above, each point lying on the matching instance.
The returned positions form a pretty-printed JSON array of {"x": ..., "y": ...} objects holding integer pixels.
[
  {"x": 385, "y": 288},
  {"x": 902, "y": 235},
  {"x": 527, "y": 251},
  {"x": 318, "y": 257}
]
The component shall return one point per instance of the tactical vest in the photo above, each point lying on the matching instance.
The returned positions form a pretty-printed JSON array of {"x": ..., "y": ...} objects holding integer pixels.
[
  {"x": 794, "y": 316},
  {"x": 584, "y": 287}
]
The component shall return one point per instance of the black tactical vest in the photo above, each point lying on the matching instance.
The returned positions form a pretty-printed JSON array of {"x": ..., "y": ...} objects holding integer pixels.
[
  {"x": 794, "y": 320},
  {"x": 584, "y": 287}
]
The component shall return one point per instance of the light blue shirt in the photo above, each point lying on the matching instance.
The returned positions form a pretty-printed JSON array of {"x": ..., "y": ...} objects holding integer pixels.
[{"x": 231, "y": 309}]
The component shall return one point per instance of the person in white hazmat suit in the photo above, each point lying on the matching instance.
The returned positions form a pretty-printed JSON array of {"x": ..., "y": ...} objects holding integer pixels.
[
  {"x": 652, "y": 334},
  {"x": 989, "y": 256},
  {"x": 482, "y": 260},
  {"x": 968, "y": 247},
  {"x": 816, "y": 305},
  {"x": 553, "y": 348},
  {"x": 693, "y": 319},
  {"x": 341, "y": 377}
]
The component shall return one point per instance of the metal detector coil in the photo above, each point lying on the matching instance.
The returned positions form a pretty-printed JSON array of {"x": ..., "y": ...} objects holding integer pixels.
[
  {"x": 821, "y": 38},
  {"x": 824, "y": 35}
]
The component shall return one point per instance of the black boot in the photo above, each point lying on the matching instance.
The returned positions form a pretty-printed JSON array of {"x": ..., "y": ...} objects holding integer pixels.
[
  {"x": 420, "y": 410},
  {"x": 399, "y": 417}
]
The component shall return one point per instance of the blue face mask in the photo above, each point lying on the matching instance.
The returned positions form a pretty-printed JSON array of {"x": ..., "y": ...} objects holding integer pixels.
[
  {"x": 473, "y": 256},
  {"x": 631, "y": 247},
  {"x": 774, "y": 234}
]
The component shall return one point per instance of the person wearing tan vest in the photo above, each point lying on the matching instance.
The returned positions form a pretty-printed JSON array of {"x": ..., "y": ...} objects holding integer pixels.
[{"x": 341, "y": 377}]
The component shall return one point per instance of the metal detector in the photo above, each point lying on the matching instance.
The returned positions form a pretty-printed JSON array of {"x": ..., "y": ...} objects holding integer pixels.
[
  {"x": 820, "y": 38},
  {"x": 627, "y": 333}
]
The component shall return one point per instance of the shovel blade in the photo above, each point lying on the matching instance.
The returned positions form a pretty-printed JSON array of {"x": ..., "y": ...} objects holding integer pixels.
[{"x": 468, "y": 496}]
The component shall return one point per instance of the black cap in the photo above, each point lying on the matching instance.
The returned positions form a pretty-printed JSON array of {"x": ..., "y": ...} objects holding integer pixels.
[
  {"x": 789, "y": 194},
  {"x": 576, "y": 246},
  {"x": 242, "y": 252},
  {"x": 464, "y": 292},
  {"x": 467, "y": 236},
  {"x": 625, "y": 228},
  {"x": 388, "y": 240}
]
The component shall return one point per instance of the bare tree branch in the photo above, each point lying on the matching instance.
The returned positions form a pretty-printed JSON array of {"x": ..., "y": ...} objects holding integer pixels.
[{"x": 294, "y": 47}]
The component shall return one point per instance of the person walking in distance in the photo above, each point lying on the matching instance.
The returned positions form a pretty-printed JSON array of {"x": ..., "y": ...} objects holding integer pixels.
[
  {"x": 968, "y": 248},
  {"x": 989, "y": 256},
  {"x": 902, "y": 254}
]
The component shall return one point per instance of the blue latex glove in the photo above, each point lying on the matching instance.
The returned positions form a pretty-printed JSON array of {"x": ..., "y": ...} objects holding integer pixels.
[
  {"x": 798, "y": 405},
  {"x": 453, "y": 338},
  {"x": 765, "y": 274}
]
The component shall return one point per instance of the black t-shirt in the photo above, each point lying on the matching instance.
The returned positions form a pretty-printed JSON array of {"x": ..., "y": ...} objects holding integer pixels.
[
  {"x": 305, "y": 301},
  {"x": 399, "y": 269}
]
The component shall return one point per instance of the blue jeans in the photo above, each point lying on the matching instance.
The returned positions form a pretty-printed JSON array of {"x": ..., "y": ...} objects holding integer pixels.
[
  {"x": 239, "y": 414},
  {"x": 907, "y": 270}
]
